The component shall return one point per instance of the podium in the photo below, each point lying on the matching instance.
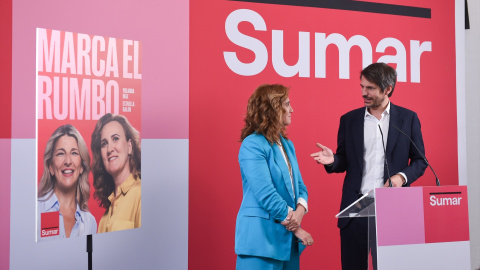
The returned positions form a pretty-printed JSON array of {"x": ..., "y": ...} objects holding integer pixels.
[{"x": 415, "y": 227}]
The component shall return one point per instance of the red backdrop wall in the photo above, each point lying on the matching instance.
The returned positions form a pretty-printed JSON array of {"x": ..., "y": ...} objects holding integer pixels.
[{"x": 218, "y": 99}]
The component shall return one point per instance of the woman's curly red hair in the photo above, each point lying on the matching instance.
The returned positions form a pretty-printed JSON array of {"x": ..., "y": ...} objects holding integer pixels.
[{"x": 265, "y": 112}]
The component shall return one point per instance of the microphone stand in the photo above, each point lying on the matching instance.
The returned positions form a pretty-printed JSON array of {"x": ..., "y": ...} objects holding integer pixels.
[
  {"x": 418, "y": 150},
  {"x": 89, "y": 250},
  {"x": 386, "y": 162}
]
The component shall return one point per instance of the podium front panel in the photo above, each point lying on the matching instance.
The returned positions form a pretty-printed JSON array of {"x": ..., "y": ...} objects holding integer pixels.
[{"x": 422, "y": 228}]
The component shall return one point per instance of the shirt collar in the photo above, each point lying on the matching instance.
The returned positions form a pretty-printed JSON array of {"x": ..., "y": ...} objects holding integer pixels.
[
  {"x": 79, "y": 214},
  {"x": 52, "y": 204},
  {"x": 386, "y": 112},
  {"x": 124, "y": 187}
]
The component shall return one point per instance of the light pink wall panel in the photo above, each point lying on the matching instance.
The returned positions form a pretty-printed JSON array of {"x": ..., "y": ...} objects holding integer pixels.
[{"x": 164, "y": 37}]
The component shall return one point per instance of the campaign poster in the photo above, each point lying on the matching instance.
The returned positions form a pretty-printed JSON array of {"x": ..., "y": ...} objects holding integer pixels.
[{"x": 88, "y": 92}]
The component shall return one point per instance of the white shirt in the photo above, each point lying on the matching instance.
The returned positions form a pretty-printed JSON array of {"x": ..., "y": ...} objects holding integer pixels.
[{"x": 373, "y": 150}]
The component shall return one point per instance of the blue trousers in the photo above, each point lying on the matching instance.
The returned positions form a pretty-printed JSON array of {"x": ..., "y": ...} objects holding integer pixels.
[{"x": 247, "y": 262}]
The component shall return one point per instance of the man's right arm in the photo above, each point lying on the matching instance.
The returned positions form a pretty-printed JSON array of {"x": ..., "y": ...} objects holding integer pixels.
[
  {"x": 333, "y": 163},
  {"x": 339, "y": 163}
]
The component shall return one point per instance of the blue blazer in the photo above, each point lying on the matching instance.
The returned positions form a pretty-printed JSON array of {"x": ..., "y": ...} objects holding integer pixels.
[
  {"x": 267, "y": 191},
  {"x": 400, "y": 151}
]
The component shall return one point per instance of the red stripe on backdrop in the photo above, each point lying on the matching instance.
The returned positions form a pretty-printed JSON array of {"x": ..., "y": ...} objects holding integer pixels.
[
  {"x": 6, "y": 69},
  {"x": 5, "y": 154},
  {"x": 6, "y": 128}
]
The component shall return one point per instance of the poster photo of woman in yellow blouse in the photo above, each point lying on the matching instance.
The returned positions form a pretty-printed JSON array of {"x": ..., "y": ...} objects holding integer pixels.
[{"x": 116, "y": 168}]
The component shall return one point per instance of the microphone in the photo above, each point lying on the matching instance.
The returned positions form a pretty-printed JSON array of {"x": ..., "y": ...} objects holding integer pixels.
[
  {"x": 418, "y": 150},
  {"x": 385, "y": 153}
]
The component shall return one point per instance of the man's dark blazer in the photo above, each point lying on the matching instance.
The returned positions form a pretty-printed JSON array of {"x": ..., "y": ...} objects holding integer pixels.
[{"x": 349, "y": 155}]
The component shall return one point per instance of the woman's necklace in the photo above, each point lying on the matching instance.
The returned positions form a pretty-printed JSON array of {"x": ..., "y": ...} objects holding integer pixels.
[{"x": 288, "y": 160}]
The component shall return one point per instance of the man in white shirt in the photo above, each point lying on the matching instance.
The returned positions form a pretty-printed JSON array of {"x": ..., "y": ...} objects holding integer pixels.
[{"x": 368, "y": 139}]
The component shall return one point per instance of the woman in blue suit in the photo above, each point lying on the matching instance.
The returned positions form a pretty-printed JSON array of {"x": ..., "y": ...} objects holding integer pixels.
[{"x": 268, "y": 233}]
